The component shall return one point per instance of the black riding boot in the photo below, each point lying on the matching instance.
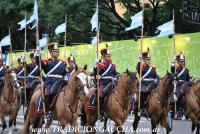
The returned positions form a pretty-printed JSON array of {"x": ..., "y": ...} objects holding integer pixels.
[
  {"x": 101, "y": 99},
  {"x": 47, "y": 109}
]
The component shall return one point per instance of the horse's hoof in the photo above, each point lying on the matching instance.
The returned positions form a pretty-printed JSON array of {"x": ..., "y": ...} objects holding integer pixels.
[
  {"x": 10, "y": 124},
  {"x": 15, "y": 129}
]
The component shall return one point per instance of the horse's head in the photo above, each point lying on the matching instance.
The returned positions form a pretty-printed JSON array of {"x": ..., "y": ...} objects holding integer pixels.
[
  {"x": 80, "y": 77},
  {"x": 131, "y": 82},
  {"x": 11, "y": 79},
  {"x": 169, "y": 80}
]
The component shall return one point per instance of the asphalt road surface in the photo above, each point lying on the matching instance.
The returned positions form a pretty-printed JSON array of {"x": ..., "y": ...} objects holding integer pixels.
[{"x": 179, "y": 127}]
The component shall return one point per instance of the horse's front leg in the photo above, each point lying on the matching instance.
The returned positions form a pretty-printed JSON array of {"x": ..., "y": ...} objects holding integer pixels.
[
  {"x": 165, "y": 124},
  {"x": 74, "y": 124},
  {"x": 118, "y": 127},
  {"x": 136, "y": 120},
  {"x": 4, "y": 125}
]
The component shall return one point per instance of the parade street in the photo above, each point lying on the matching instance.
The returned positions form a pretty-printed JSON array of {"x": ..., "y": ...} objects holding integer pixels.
[{"x": 180, "y": 127}]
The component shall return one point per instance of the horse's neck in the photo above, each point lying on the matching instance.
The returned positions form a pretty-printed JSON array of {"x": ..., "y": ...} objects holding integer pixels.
[
  {"x": 6, "y": 89},
  {"x": 163, "y": 91},
  {"x": 121, "y": 93},
  {"x": 72, "y": 95},
  {"x": 197, "y": 88}
]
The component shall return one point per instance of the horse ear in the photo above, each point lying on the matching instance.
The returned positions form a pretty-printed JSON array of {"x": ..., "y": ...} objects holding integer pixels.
[
  {"x": 127, "y": 71},
  {"x": 76, "y": 68},
  {"x": 85, "y": 67},
  {"x": 168, "y": 73}
]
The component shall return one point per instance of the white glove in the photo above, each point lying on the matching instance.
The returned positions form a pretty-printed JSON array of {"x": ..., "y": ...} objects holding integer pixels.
[
  {"x": 140, "y": 57},
  {"x": 175, "y": 97},
  {"x": 96, "y": 62},
  {"x": 173, "y": 60}
]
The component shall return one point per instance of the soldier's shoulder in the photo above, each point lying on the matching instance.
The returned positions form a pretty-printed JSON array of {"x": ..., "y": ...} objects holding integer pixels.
[
  {"x": 154, "y": 68},
  {"x": 187, "y": 70},
  {"x": 63, "y": 61}
]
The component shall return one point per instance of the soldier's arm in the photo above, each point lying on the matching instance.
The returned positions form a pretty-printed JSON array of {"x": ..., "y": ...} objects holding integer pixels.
[
  {"x": 138, "y": 67},
  {"x": 43, "y": 63},
  {"x": 172, "y": 69}
]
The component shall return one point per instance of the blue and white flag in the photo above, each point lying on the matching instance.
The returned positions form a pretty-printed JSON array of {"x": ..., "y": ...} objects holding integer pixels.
[
  {"x": 22, "y": 25},
  {"x": 94, "y": 40},
  {"x": 136, "y": 21},
  {"x": 34, "y": 17},
  {"x": 60, "y": 29},
  {"x": 166, "y": 29},
  {"x": 6, "y": 59},
  {"x": 6, "y": 41},
  {"x": 43, "y": 42},
  {"x": 95, "y": 20}
]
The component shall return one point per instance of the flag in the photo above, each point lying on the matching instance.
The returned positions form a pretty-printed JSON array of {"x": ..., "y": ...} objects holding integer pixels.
[
  {"x": 136, "y": 21},
  {"x": 95, "y": 20},
  {"x": 60, "y": 29},
  {"x": 6, "y": 59},
  {"x": 94, "y": 40},
  {"x": 22, "y": 24},
  {"x": 34, "y": 17},
  {"x": 43, "y": 42},
  {"x": 5, "y": 41},
  {"x": 166, "y": 29}
]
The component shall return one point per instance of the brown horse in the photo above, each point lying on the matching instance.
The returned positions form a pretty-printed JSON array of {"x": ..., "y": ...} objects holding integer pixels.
[
  {"x": 118, "y": 105},
  {"x": 193, "y": 104},
  {"x": 158, "y": 104},
  {"x": 8, "y": 99},
  {"x": 67, "y": 106}
]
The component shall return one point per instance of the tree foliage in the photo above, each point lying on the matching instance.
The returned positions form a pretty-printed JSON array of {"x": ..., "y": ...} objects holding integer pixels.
[{"x": 79, "y": 12}]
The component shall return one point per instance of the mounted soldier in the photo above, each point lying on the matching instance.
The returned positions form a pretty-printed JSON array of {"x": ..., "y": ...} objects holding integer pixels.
[
  {"x": 20, "y": 70},
  {"x": 72, "y": 64},
  {"x": 2, "y": 74},
  {"x": 33, "y": 74},
  {"x": 55, "y": 70},
  {"x": 107, "y": 72},
  {"x": 183, "y": 76},
  {"x": 149, "y": 77}
]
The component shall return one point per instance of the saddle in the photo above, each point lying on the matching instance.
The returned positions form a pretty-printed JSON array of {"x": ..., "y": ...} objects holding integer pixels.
[
  {"x": 54, "y": 92},
  {"x": 93, "y": 99}
]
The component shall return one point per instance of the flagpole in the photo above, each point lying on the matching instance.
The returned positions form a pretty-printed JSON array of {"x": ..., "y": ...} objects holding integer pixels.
[
  {"x": 65, "y": 43},
  {"x": 40, "y": 60},
  {"x": 174, "y": 45},
  {"x": 140, "y": 75},
  {"x": 97, "y": 56},
  {"x": 25, "y": 63},
  {"x": 11, "y": 51}
]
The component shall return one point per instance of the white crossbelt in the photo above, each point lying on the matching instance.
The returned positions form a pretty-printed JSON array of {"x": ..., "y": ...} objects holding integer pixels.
[
  {"x": 106, "y": 70},
  {"x": 1, "y": 68},
  {"x": 30, "y": 75},
  {"x": 147, "y": 73},
  {"x": 51, "y": 75},
  {"x": 20, "y": 72},
  {"x": 181, "y": 72}
]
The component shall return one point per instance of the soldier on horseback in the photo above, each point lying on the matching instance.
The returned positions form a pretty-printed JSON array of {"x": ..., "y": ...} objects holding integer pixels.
[
  {"x": 183, "y": 78},
  {"x": 20, "y": 70},
  {"x": 33, "y": 73},
  {"x": 107, "y": 72},
  {"x": 72, "y": 63},
  {"x": 55, "y": 70},
  {"x": 149, "y": 77},
  {"x": 2, "y": 73}
]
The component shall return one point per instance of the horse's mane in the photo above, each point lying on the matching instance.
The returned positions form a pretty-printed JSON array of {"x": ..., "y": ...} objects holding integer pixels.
[{"x": 196, "y": 85}]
